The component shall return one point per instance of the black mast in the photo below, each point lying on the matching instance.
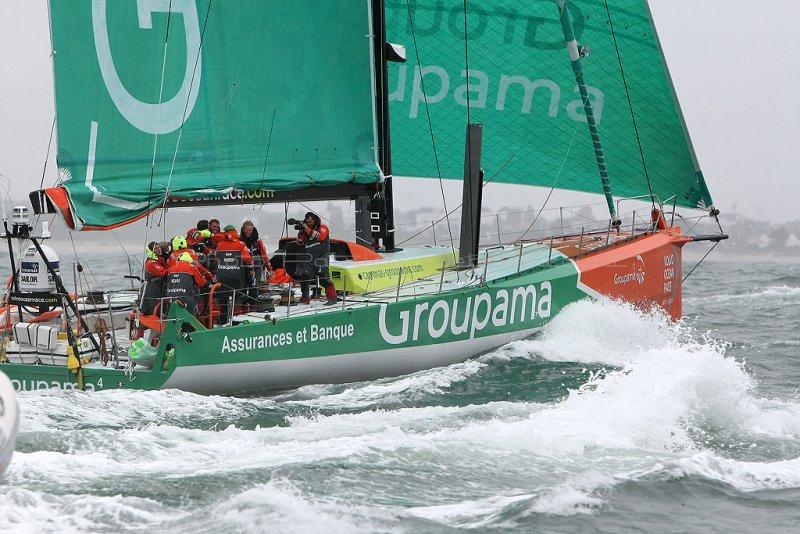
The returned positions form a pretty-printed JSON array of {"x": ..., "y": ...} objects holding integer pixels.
[{"x": 368, "y": 227}]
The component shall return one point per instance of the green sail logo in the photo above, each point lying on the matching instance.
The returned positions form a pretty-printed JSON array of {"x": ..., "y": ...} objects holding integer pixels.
[
  {"x": 150, "y": 118},
  {"x": 462, "y": 318}
]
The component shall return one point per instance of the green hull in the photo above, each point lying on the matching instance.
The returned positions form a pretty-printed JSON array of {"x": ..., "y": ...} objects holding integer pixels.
[
  {"x": 205, "y": 360},
  {"x": 389, "y": 335}
]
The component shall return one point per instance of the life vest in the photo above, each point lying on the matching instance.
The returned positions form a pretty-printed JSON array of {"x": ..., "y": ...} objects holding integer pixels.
[
  {"x": 153, "y": 287},
  {"x": 233, "y": 262},
  {"x": 182, "y": 282},
  {"x": 319, "y": 248},
  {"x": 230, "y": 270},
  {"x": 181, "y": 287}
]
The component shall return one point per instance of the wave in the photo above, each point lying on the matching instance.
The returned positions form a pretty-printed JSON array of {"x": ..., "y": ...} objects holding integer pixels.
[
  {"x": 781, "y": 292},
  {"x": 744, "y": 476},
  {"x": 277, "y": 506},
  {"x": 385, "y": 391},
  {"x": 24, "y": 511},
  {"x": 661, "y": 400}
]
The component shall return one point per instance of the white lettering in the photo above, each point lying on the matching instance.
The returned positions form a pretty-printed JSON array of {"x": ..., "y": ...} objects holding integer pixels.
[
  {"x": 480, "y": 87},
  {"x": 457, "y": 329},
  {"x": 417, "y": 314},
  {"x": 522, "y": 293},
  {"x": 434, "y": 331},
  {"x": 529, "y": 88},
  {"x": 575, "y": 108},
  {"x": 166, "y": 116},
  {"x": 479, "y": 310},
  {"x": 418, "y": 95},
  {"x": 499, "y": 316},
  {"x": 543, "y": 308},
  {"x": 480, "y": 324}
]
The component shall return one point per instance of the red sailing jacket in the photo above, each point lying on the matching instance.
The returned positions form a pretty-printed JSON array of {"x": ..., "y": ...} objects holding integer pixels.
[
  {"x": 193, "y": 239},
  {"x": 189, "y": 268},
  {"x": 232, "y": 242},
  {"x": 320, "y": 234},
  {"x": 155, "y": 268},
  {"x": 173, "y": 260}
]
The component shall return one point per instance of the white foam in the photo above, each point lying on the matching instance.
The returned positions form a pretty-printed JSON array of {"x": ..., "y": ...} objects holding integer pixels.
[
  {"x": 388, "y": 390},
  {"x": 647, "y": 416},
  {"x": 280, "y": 506},
  {"x": 67, "y": 410},
  {"x": 568, "y": 498},
  {"x": 744, "y": 476},
  {"x": 26, "y": 511},
  {"x": 597, "y": 332}
]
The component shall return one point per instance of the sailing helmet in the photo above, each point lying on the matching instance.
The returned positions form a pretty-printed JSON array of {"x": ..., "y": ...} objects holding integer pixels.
[
  {"x": 179, "y": 242},
  {"x": 150, "y": 251},
  {"x": 185, "y": 256}
]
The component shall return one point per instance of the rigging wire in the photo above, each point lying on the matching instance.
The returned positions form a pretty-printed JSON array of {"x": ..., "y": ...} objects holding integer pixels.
[
  {"x": 466, "y": 63},
  {"x": 269, "y": 145},
  {"x": 160, "y": 101},
  {"x": 47, "y": 155},
  {"x": 630, "y": 105},
  {"x": 699, "y": 262},
  {"x": 555, "y": 181},
  {"x": 430, "y": 123},
  {"x": 183, "y": 121}
]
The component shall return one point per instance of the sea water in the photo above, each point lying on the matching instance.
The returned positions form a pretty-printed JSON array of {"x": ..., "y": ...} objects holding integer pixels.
[{"x": 611, "y": 420}]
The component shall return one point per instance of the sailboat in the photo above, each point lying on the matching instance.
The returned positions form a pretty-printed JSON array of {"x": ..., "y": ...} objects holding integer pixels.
[{"x": 164, "y": 105}]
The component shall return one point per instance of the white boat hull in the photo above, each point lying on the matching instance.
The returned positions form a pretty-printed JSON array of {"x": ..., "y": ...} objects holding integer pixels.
[{"x": 280, "y": 374}]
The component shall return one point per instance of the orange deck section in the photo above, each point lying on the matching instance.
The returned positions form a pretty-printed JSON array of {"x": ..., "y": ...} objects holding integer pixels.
[{"x": 643, "y": 269}]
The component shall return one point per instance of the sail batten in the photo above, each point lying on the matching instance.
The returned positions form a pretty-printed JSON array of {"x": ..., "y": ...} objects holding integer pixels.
[
  {"x": 250, "y": 96},
  {"x": 524, "y": 92}
]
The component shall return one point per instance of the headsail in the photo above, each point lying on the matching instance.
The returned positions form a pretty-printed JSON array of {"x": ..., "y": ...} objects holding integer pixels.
[
  {"x": 190, "y": 98},
  {"x": 523, "y": 91}
]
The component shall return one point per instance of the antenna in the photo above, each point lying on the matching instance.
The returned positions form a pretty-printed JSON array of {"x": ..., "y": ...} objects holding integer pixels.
[{"x": 7, "y": 195}]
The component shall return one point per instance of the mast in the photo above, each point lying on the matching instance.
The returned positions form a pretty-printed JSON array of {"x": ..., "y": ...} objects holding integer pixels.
[
  {"x": 381, "y": 207},
  {"x": 472, "y": 196},
  {"x": 577, "y": 68}
]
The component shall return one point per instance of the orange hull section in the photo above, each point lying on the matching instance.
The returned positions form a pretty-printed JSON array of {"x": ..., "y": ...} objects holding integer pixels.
[{"x": 646, "y": 271}]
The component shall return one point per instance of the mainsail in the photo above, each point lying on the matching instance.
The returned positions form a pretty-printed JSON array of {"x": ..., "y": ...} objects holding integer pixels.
[
  {"x": 159, "y": 99},
  {"x": 523, "y": 91}
]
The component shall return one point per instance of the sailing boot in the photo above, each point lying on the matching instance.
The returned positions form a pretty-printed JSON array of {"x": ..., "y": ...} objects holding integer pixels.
[{"x": 330, "y": 292}]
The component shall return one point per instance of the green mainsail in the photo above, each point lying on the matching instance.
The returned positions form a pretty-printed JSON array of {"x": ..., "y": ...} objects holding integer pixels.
[
  {"x": 184, "y": 98},
  {"x": 524, "y": 92}
]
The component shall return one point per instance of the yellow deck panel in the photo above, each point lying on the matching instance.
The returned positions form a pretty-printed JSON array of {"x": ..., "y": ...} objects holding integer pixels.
[{"x": 374, "y": 275}]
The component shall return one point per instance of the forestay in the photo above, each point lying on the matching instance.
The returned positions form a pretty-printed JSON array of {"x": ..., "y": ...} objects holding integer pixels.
[
  {"x": 523, "y": 91},
  {"x": 184, "y": 98}
]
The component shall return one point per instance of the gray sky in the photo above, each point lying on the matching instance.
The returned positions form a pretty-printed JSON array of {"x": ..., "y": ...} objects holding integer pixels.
[{"x": 732, "y": 62}]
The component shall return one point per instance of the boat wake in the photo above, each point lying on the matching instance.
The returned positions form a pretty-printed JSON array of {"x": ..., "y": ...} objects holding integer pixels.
[{"x": 656, "y": 403}]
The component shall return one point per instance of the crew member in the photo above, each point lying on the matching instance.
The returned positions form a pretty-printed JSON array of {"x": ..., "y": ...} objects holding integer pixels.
[
  {"x": 179, "y": 246},
  {"x": 217, "y": 236},
  {"x": 184, "y": 282},
  {"x": 199, "y": 237},
  {"x": 234, "y": 269},
  {"x": 249, "y": 236},
  {"x": 155, "y": 269},
  {"x": 315, "y": 239}
]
